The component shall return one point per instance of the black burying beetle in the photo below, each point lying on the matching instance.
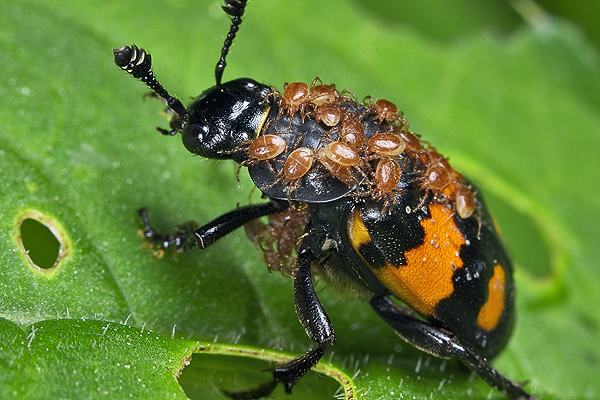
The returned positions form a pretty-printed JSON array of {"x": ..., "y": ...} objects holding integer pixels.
[{"x": 356, "y": 197}]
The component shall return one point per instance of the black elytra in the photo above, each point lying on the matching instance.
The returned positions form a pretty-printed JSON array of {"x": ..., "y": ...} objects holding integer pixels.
[{"x": 452, "y": 273}]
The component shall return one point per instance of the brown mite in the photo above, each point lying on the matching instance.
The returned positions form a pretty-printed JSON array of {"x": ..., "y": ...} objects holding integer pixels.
[
  {"x": 439, "y": 173},
  {"x": 387, "y": 176},
  {"x": 436, "y": 158},
  {"x": 353, "y": 132},
  {"x": 266, "y": 147},
  {"x": 342, "y": 153},
  {"x": 295, "y": 96},
  {"x": 437, "y": 177},
  {"x": 385, "y": 110},
  {"x": 464, "y": 199},
  {"x": 413, "y": 143},
  {"x": 329, "y": 114},
  {"x": 338, "y": 171},
  {"x": 386, "y": 144},
  {"x": 278, "y": 236},
  {"x": 298, "y": 163},
  {"x": 322, "y": 94}
]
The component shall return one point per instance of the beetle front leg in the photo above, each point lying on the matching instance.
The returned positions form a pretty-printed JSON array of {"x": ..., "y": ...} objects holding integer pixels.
[
  {"x": 176, "y": 122},
  {"x": 175, "y": 126},
  {"x": 179, "y": 240},
  {"x": 316, "y": 324},
  {"x": 443, "y": 344},
  {"x": 188, "y": 236}
]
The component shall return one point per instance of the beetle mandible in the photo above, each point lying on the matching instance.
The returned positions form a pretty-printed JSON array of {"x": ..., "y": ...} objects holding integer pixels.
[{"x": 356, "y": 197}]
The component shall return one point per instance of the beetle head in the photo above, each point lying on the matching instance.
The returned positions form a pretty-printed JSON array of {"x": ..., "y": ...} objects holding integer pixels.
[{"x": 225, "y": 117}]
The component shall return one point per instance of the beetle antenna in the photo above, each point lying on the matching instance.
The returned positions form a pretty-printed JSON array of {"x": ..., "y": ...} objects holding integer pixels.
[
  {"x": 138, "y": 63},
  {"x": 235, "y": 9}
]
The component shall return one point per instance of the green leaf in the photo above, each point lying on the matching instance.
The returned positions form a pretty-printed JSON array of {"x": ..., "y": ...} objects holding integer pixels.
[
  {"x": 79, "y": 154},
  {"x": 88, "y": 359},
  {"x": 442, "y": 20},
  {"x": 104, "y": 359}
]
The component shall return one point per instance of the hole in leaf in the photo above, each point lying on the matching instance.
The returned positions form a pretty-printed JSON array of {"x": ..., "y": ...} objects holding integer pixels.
[
  {"x": 40, "y": 244},
  {"x": 208, "y": 374},
  {"x": 526, "y": 243},
  {"x": 42, "y": 240}
]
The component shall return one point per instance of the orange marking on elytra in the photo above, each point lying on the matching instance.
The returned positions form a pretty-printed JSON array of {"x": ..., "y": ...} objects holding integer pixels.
[
  {"x": 490, "y": 313},
  {"x": 426, "y": 279}
]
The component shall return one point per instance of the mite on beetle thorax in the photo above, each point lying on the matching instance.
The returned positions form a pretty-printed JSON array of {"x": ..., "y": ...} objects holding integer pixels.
[{"x": 365, "y": 146}]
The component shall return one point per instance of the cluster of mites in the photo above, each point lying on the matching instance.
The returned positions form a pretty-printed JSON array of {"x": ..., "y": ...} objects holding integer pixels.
[{"x": 351, "y": 154}]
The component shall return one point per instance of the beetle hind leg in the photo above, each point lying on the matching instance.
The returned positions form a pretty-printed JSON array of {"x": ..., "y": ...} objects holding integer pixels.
[{"x": 440, "y": 343}]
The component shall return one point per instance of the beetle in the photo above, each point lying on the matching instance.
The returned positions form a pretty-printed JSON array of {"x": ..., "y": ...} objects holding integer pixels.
[{"x": 356, "y": 197}]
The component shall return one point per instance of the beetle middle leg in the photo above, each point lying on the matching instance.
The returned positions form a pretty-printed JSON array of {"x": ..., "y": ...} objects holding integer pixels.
[
  {"x": 188, "y": 236},
  {"x": 316, "y": 324},
  {"x": 440, "y": 343}
]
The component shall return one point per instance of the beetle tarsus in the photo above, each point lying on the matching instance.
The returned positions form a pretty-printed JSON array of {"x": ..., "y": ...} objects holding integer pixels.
[
  {"x": 180, "y": 240},
  {"x": 167, "y": 132}
]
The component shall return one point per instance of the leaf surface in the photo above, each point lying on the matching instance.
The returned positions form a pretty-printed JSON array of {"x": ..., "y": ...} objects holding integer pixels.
[{"x": 78, "y": 147}]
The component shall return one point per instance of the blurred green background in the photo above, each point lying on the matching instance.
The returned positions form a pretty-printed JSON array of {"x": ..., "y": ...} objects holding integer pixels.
[
  {"x": 510, "y": 91},
  {"x": 446, "y": 21}
]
